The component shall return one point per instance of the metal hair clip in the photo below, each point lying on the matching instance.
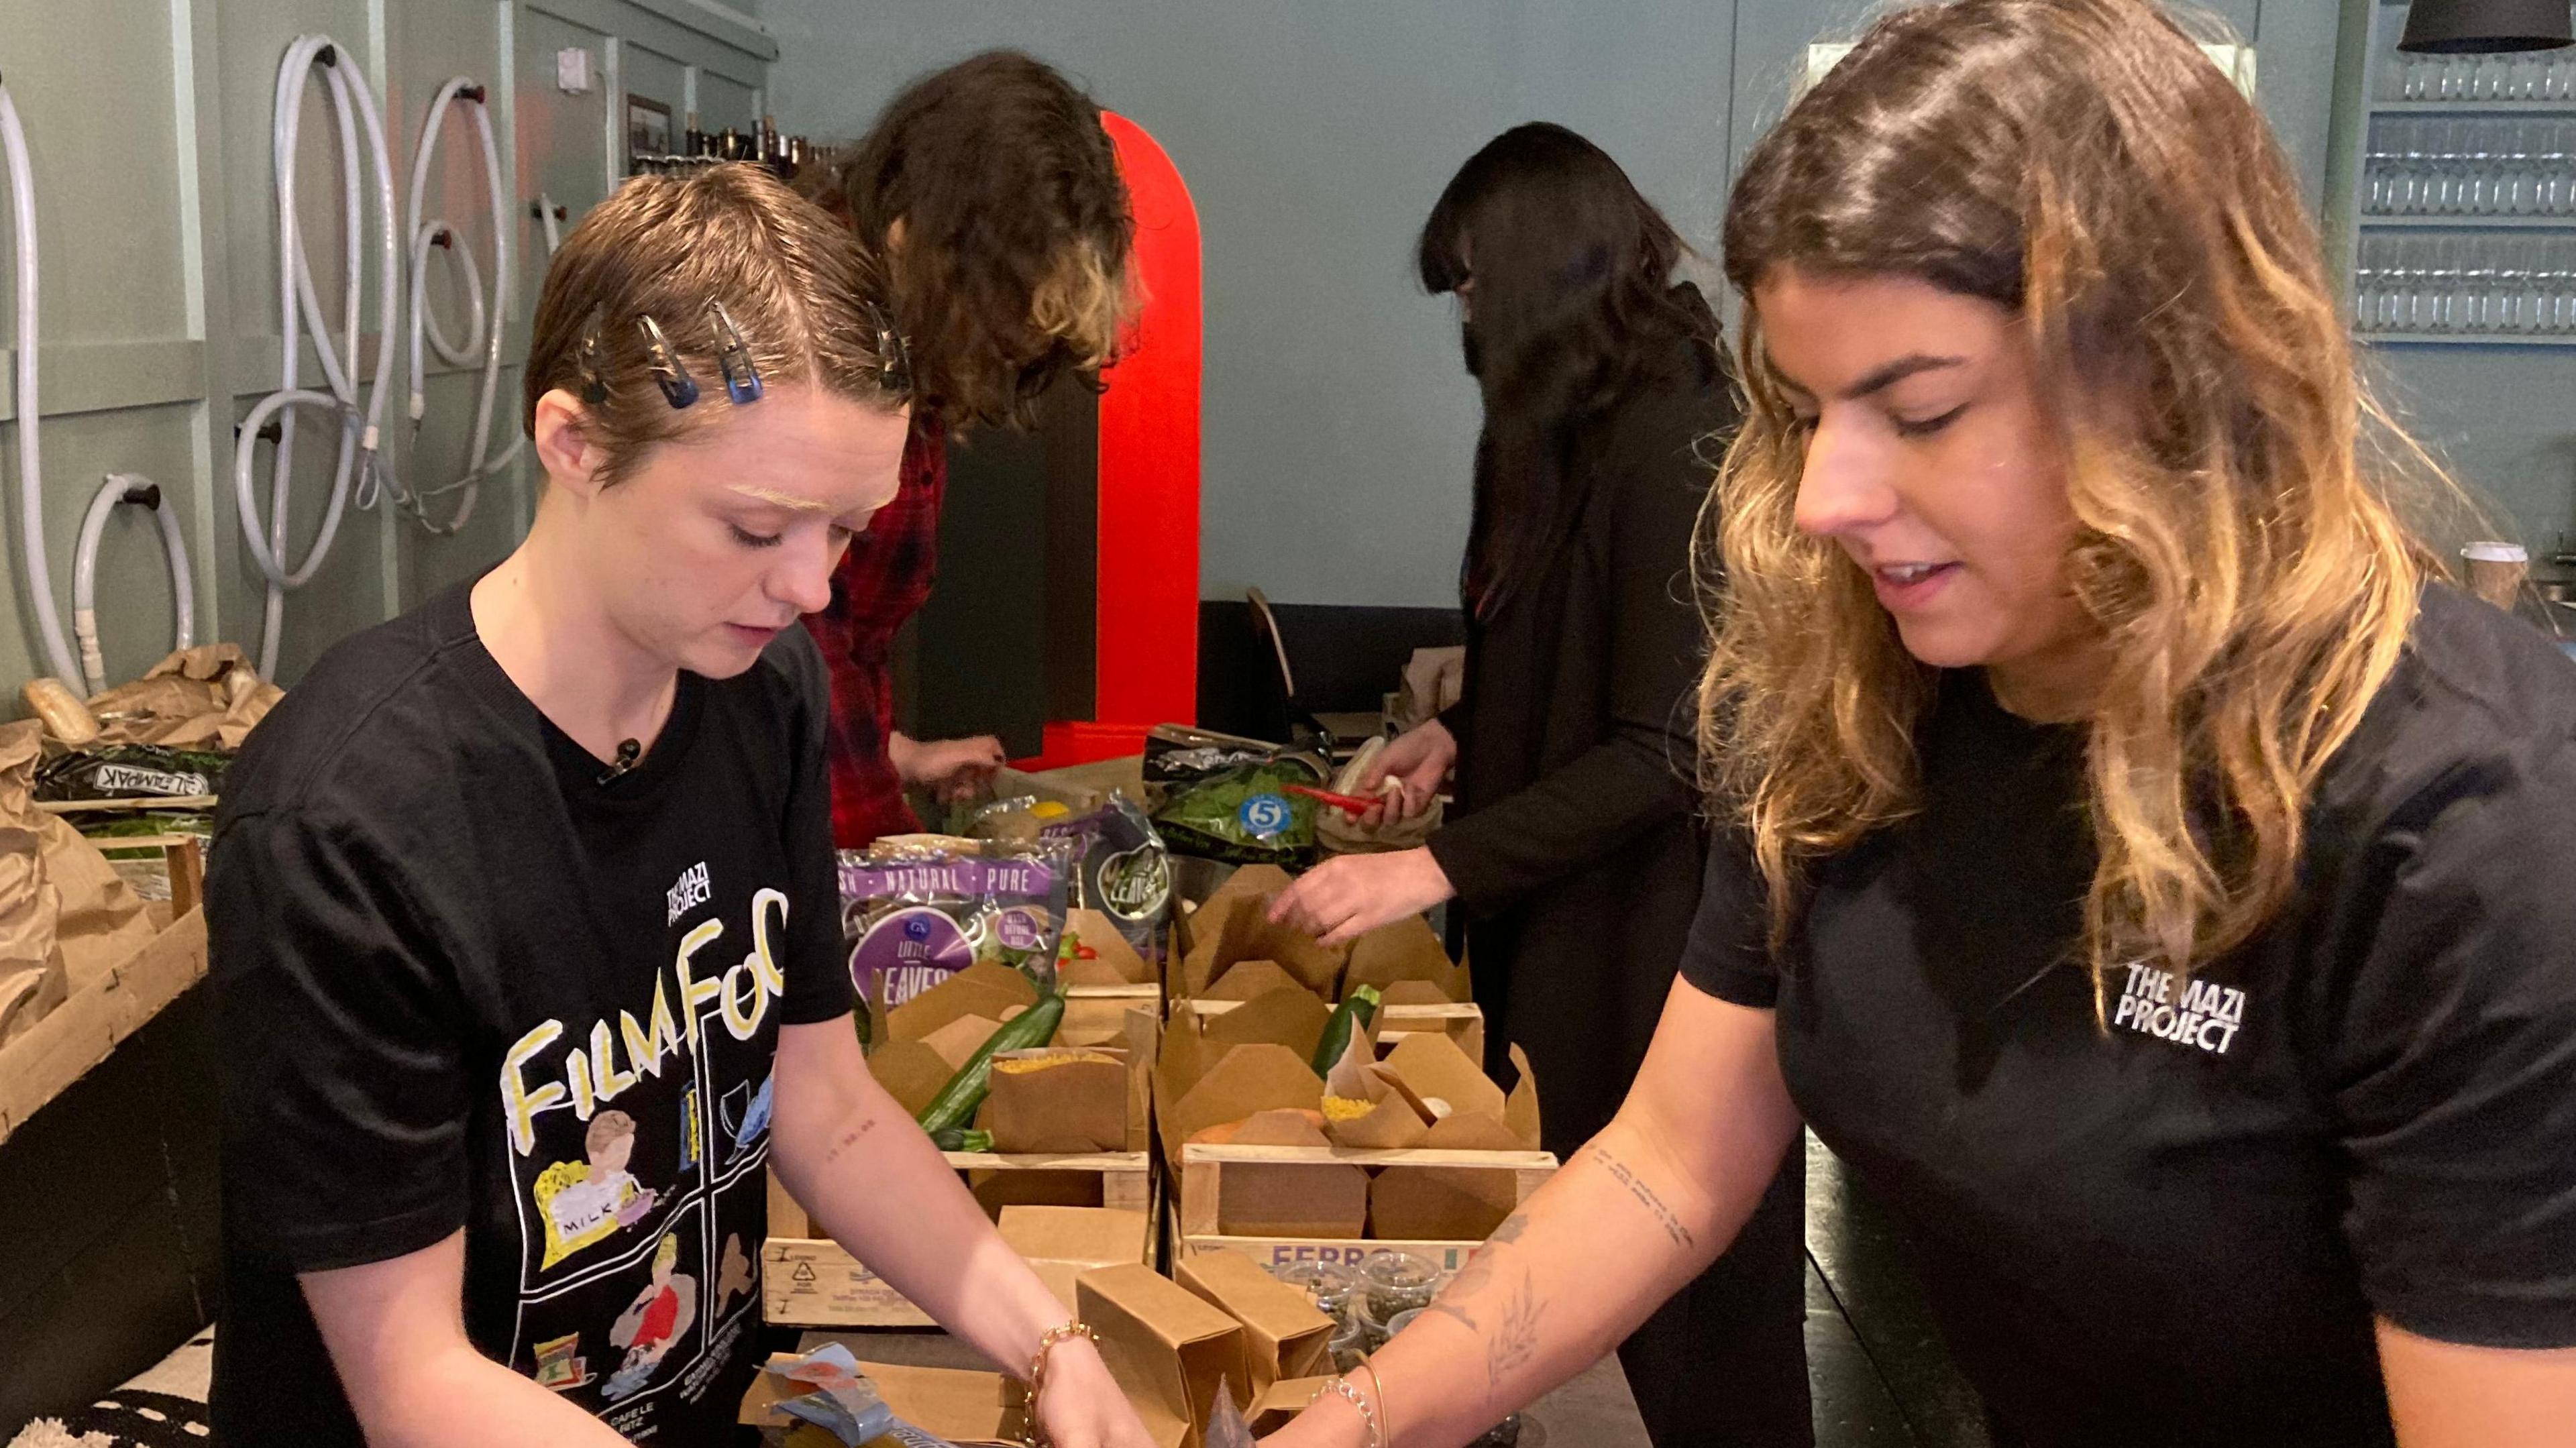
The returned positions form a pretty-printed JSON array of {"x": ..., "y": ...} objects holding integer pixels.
[
  {"x": 594, "y": 383},
  {"x": 733, "y": 357},
  {"x": 678, "y": 388},
  {"x": 894, "y": 360}
]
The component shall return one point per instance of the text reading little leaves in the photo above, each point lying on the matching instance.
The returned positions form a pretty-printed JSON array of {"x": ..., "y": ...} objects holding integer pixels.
[{"x": 2206, "y": 1016}]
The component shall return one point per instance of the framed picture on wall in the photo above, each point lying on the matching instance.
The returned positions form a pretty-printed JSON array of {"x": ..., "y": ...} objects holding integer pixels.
[{"x": 648, "y": 127}]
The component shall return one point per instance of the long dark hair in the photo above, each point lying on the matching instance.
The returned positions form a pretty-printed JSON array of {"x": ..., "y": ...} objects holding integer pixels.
[
  {"x": 1574, "y": 309},
  {"x": 1013, "y": 267}
]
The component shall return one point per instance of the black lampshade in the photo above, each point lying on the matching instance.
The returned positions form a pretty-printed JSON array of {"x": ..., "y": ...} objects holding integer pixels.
[{"x": 2483, "y": 27}]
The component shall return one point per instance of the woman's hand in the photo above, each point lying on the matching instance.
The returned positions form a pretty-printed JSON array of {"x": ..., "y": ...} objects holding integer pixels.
[
  {"x": 1350, "y": 895},
  {"x": 952, "y": 769},
  {"x": 1330, "y": 1423},
  {"x": 1419, "y": 762},
  {"x": 1082, "y": 1406}
]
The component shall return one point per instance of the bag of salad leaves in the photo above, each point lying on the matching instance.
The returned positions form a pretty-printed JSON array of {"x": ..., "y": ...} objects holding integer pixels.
[{"x": 1226, "y": 798}]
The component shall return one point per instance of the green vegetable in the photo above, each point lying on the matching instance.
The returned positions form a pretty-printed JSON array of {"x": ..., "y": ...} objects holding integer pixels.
[
  {"x": 1356, "y": 1010},
  {"x": 954, "y": 1140},
  {"x": 955, "y": 1104}
]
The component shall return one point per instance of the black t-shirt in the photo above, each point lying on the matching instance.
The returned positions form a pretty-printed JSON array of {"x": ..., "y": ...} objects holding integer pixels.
[
  {"x": 465, "y": 984},
  {"x": 2177, "y": 1230}
]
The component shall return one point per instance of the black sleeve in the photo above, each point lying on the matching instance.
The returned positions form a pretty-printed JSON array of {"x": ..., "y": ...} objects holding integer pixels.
[
  {"x": 2454, "y": 1052},
  {"x": 1639, "y": 774},
  {"x": 818, "y": 978},
  {"x": 1728, "y": 954},
  {"x": 345, "y": 1085}
]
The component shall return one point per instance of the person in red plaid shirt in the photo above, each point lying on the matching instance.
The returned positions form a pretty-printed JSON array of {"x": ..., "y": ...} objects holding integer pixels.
[{"x": 992, "y": 192}]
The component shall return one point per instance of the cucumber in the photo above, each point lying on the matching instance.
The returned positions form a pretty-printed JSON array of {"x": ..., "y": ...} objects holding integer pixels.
[
  {"x": 955, "y": 1140},
  {"x": 1356, "y": 1010},
  {"x": 955, "y": 1104}
]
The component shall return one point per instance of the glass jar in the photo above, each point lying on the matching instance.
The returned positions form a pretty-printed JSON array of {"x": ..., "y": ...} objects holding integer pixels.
[
  {"x": 1329, "y": 1285},
  {"x": 1397, "y": 1282}
]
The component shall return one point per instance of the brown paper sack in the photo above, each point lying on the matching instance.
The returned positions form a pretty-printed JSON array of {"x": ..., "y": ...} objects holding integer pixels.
[
  {"x": 1169, "y": 1351},
  {"x": 208, "y": 697},
  {"x": 32, "y": 976}
]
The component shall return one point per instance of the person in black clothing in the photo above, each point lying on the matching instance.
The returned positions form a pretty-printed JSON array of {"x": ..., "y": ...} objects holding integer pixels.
[
  {"x": 2140, "y": 865},
  {"x": 524, "y": 925},
  {"x": 1574, "y": 851}
]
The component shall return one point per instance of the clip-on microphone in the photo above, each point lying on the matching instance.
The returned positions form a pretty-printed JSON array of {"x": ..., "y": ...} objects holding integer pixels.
[{"x": 628, "y": 751}]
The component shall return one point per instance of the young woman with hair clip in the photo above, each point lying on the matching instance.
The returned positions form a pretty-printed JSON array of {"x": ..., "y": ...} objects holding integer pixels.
[
  {"x": 560, "y": 838},
  {"x": 992, "y": 193},
  {"x": 1573, "y": 854},
  {"x": 2148, "y": 875}
]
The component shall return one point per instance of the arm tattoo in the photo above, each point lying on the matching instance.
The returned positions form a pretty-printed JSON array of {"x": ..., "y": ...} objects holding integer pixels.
[
  {"x": 1645, "y": 1195},
  {"x": 1515, "y": 1340},
  {"x": 1478, "y": 1274},
  {"x": 849, "y": 1138}
]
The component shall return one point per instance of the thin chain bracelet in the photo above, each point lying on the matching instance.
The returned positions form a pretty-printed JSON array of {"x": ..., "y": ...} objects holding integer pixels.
[
  {"x": 1037, "y": 1436},
  {"x": 1368, "y": 1415}
]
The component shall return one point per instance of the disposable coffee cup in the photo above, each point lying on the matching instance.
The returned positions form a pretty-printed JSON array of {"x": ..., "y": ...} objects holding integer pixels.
[{"x": 2496, "y": 571}]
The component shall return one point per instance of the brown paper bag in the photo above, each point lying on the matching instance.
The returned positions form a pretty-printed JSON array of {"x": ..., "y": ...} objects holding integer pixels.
[
  {"x": 208, "y": 697},
  {"x": 1288, "y": 1397},
  {"x": 1284, "y": 1335},
  {"x": 1170, "y": 1351},
  {"x": 32, "y": 976}
]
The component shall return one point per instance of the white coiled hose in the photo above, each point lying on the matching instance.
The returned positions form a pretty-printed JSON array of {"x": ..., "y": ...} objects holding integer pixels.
[
  {"x": 353, "y": 105},
  {"x": 31, "y": 469},
  {"x": 484, "y": 327},
  {"x": 126, "y": 488}
]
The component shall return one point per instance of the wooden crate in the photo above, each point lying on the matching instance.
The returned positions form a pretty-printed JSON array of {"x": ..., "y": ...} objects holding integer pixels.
[
  {"x": 1459, "y": 1020},
  {"x": 808, "y": 1281},
  {"x": 42, "y": 1063},
  {"x": 1090, "y": 1009},
  {"x": 1195, "y": 1219}
]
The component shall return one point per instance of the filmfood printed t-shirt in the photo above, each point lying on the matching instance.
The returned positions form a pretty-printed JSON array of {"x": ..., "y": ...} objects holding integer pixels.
[
  {"x": 465, "y": 983},
  {"x": 2176, "y": 1222}
]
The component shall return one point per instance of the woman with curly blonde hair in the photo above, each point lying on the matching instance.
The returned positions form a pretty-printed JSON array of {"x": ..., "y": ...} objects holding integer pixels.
[{"x": 2151, "y": 878}]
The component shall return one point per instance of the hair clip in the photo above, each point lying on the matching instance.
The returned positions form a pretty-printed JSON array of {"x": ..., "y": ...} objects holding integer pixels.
[
  {"x": 678, "y": 388},
  {"x": 594, "y": 384},
  {"x": 894, "y": 360},
  {"x": 733, "y": 357}
]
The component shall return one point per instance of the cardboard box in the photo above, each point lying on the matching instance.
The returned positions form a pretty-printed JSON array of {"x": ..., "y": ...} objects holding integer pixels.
[
  {"x": 1091, "y": 1107},
  {"x": 1171, "y": 1352},
  {"x": 969, "y": 1409},
  {"x": 1232, "y": 932},
  {"x": 808, "y": 1281},
  {"x": 1062, "y": 1243},
  {"x": 1283, "y": 1401},
  {"x": 1284, "y": 1335},
  {"x": 99, "y": 1012}
]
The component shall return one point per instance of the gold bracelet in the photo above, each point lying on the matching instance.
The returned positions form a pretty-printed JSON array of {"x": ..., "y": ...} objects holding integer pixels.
[
  {"x": 1038, "y": 1366},
  {"x": 1341, "y": 1387},
  {"x": 1386, "y": 1419}
]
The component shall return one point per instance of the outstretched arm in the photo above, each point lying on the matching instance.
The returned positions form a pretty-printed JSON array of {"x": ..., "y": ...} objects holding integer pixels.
[{"x": 1638, "y": 1213}]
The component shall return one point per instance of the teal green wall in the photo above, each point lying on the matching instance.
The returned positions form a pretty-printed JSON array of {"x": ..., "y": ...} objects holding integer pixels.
[
  {"x": 148, "y": 125},
  {"x": 1338, "y": 425}
]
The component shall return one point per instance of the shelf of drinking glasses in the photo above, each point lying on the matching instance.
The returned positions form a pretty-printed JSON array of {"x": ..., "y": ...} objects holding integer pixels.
[
  {"x": 2471, "y": 223},
  {"x": 2466, "y": 339},
  {"x": 2474, "y": 108}
]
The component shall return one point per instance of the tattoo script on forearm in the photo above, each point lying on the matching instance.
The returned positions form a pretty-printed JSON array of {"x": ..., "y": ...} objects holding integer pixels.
[
  {"x": 849, "y": 1139},
  {"x": 1621, "y": 1173}
]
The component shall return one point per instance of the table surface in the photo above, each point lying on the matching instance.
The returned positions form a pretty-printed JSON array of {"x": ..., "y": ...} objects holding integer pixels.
[{"x": 1592, "y": 1411}]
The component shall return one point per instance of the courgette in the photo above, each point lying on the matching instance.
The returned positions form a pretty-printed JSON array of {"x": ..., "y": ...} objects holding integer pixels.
[
  {"x": 1356, "y": 1010},
  {"x": 955, "y": 1104},
  {"x": 955, "y": 1140}
]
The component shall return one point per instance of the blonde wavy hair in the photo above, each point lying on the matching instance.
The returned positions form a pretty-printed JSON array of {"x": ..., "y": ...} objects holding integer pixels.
[{"x": 2083, "y": 165}]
